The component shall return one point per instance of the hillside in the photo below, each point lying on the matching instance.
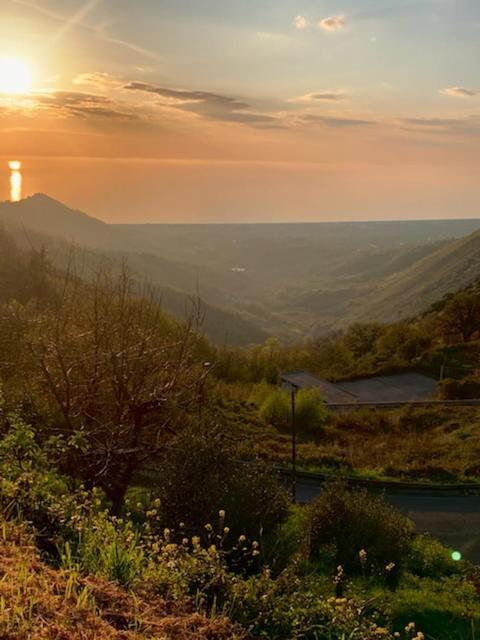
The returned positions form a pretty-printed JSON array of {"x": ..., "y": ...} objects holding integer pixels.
[
  {"x": 40, "y": 221},
  {"x": 287, "y": 280},
  {"x": 43, "y": 603},
  {"x": 451, "y": 268}
]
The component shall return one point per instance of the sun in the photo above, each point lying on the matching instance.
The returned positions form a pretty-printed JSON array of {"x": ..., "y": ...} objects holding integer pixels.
[{"x": 15, "y": 76}]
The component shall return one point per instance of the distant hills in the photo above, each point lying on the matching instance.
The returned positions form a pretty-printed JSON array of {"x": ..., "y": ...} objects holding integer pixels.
[{"x": 289, "y": 280}]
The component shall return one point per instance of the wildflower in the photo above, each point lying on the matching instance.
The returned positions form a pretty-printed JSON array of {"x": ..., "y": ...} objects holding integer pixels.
[
  {"x": 410, "y": 627},
  {"x": 182, "y": 525},
  {"x": 419, "y": 636},
  {"x": 363, "y": 555},
  {"x": 185, "y": 541},
  {"x": 221, "y": 513},
  {"x": 209, "y": 528},
  {"x": 396, "y": 634},
  {"x": 255, "y": 544},
  {"x": 166, "y": 533},
  {"x": 139, "y": 505},
  {"x": 226, "y": 530},
  {"x": 390, "y": 567},
  {"x": 196, "y": 541},
  {"x": 156, "y": 503},
  {"x": 242, "y": 538}
]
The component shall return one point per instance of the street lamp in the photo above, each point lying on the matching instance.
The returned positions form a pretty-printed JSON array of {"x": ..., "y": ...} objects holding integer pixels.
[
  {"x": 293, "y": 392},
  {"x": 207, "y": 366},
  {"x": 288, "y": 385}
]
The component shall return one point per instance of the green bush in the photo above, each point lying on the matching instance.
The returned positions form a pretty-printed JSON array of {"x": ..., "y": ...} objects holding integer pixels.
[
  {"x": 205, "y": 473},
  {"x": 430, "y": 559},
  {"x": 311, "y": 413},
  {"x": 446, "y": 609},
  {"x": 367, "y": 535},
  {"x": 300, "y": 608},
  {"x": 276, "y": 408}
]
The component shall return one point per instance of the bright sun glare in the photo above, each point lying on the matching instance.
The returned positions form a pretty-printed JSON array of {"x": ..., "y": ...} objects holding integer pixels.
[{"x": 15, "y": 76}]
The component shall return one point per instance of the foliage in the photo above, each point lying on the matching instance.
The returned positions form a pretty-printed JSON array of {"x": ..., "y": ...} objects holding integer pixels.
[
  {"x": 430, "y": 559},
  {"x": 205, "y": 473},
  {"x": 367, "y": 535},
  {"x": 107, "y": 363},
  {"x": 275, "y": 407}
]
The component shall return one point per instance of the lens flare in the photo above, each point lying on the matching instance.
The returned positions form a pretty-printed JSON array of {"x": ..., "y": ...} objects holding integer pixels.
[{"x": 15, "y": 167}]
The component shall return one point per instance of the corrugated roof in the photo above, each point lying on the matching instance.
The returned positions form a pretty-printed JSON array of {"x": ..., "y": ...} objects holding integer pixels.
[
  {"x": 402, "y": 387},
  {"x": 330, "y": 392}
]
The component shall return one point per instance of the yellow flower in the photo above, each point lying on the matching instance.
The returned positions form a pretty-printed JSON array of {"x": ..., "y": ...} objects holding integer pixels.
[
  {"x": 410, "y": 627},
  {"x": 226, "y": 530},
  {"x": 221, "y": 513},
  {"x": 209, "y": 527},
  {"x": 242, "y": 538}
]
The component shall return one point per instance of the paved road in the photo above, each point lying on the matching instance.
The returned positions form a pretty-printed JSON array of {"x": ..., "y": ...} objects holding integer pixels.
[{"x": 455, "y": 520}]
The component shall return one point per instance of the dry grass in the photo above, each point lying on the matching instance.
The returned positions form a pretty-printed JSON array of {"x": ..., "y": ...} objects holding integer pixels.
[
  {"x": 438, "y": 445},
  {"x": 41, "y": 603}
]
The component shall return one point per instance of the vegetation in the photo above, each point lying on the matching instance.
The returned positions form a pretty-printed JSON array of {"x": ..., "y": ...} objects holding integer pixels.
[{"x": 137, "y": 496}]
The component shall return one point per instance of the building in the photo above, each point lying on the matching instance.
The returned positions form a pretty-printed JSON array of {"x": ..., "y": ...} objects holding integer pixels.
[{"x": 400, "y": 388}]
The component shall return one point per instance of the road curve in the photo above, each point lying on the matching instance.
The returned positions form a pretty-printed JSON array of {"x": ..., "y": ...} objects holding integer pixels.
[{"x": 455, "y": 520}]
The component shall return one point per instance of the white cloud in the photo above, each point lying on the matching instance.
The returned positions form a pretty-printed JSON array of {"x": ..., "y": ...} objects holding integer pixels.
[
  {"x": 301, "y": 22},
  {"x": 459, "y": 92},
  {"x": 333, "y": 23}
]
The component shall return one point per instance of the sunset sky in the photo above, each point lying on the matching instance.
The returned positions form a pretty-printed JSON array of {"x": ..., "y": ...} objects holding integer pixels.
[{"x": 245, "y": 110}]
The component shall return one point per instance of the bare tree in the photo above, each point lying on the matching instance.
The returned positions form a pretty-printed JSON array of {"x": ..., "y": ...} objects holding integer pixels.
[{"x": 118, "y": 374}]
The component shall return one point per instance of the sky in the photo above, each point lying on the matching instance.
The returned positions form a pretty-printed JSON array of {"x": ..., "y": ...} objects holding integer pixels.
[{"x": 245, "y": 110}]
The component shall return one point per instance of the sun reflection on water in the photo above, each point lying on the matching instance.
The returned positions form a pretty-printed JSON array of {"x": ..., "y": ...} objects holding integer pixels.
[{"x": 15, "y": 167}]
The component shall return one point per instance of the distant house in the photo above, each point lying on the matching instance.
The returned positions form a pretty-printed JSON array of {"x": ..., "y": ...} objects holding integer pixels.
[{"x": 401, "y": 388}]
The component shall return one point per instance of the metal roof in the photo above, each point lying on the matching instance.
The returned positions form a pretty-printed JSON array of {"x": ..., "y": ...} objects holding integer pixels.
[
  {"x": 402, "y": 387},
  {"x": 330, "y": 392}
]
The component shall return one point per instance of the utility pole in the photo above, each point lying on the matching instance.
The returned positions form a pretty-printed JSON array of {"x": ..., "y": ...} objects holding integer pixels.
[{"x": 294, "y": 448}]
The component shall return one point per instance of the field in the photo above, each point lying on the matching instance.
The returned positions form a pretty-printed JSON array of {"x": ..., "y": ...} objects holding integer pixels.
[{"x": 431, "y": 445}]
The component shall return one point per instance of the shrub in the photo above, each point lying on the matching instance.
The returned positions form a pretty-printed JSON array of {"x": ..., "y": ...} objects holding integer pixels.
[
  {"x": 430, "y": 559},
  {"x": 368, "y": 536},
  {"x": 300, "y": 609},
  {"x": 204, "y": 473},
  {"x": 311, "y": 413},
  {"x": 445, "y": 609},
  {"x": 275, "y": 408}
]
